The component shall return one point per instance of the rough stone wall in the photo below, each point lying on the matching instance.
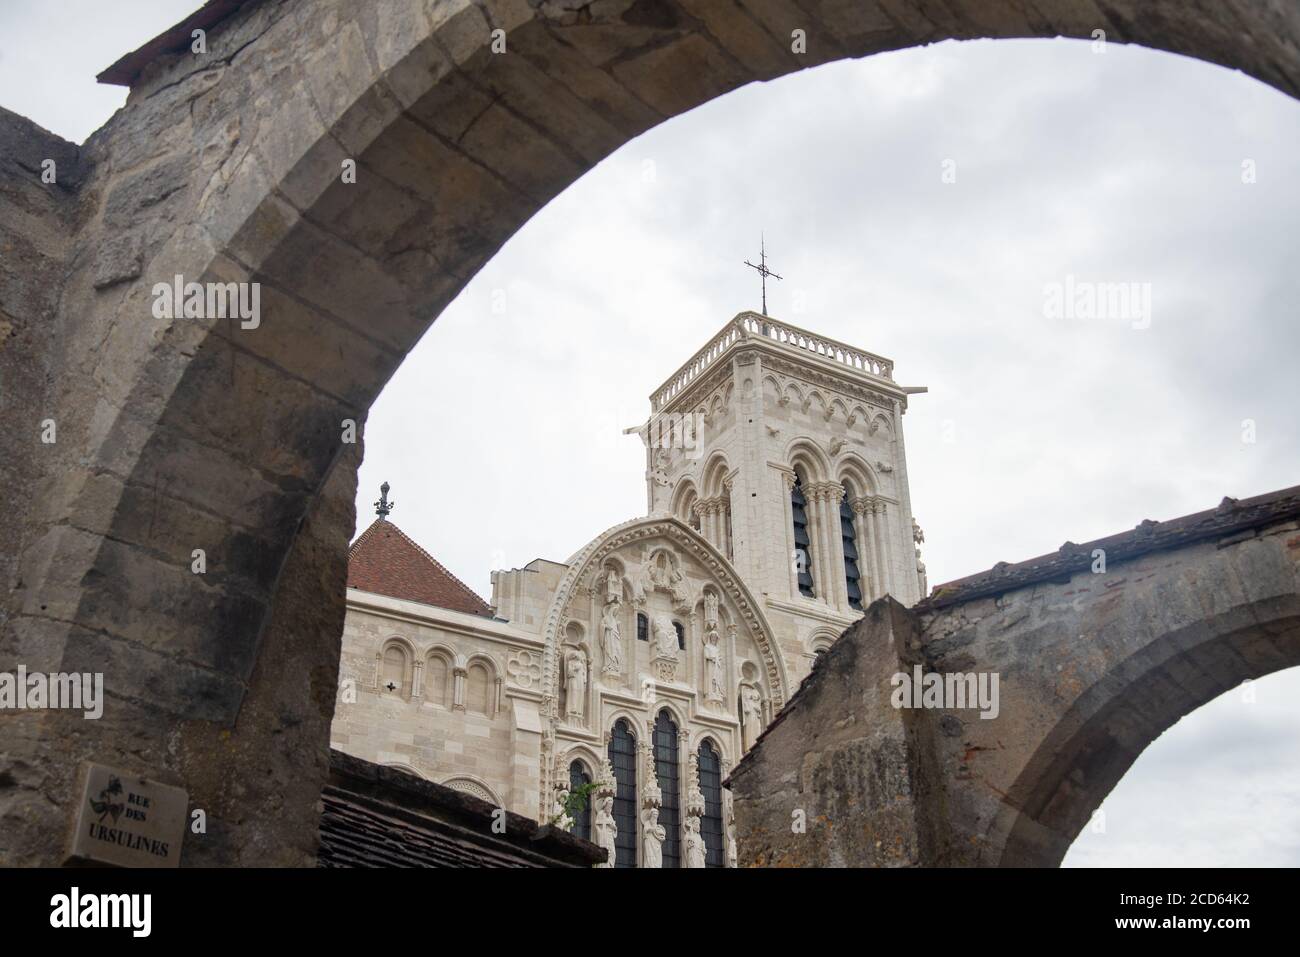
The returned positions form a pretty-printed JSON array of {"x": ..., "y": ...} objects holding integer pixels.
[
  {"x": 1092, "y": 668},
  {"x": 176, "y": 434},
  {"x": 841, "y": 778}
]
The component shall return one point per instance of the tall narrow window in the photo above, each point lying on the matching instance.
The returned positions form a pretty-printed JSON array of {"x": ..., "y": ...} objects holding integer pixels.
[
  {"x": 393, "y": 676},
  {"x": 435, "y": 680},
  {"x": 665, "y": 739},
  {"x": 477, "y": 689},
  {"x": 642, "y": 627},
  {"x": 852, "y": 578},
  {"x": 578, "y": 777},
  {"x": 711, "y": 823},
  {"x": 681, "y": 635},
  {"x": 622, "y": 758},
  {"x": 802, "y": 544}
]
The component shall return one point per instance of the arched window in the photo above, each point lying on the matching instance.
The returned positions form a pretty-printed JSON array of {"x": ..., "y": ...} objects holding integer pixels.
[
  {"x": 852, "y": 577},
  {"x": 802, "y": 544},
  {"x": 642, "y": 627},
  {"x": 578, "y": 777},
  {"x": 681, "y": 635},
  {"x": 665, "y": 740},
  {"x": 622, "y": 758},
  {"x": 392, "y": 677},
  {"x": 436, "y": 675},
  {"x": 477, "y": 688},
  {"x": 711, "y": 823}
]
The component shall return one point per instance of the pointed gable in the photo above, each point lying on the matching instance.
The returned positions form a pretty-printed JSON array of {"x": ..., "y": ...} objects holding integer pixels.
[{"x": 384, "y": 560}]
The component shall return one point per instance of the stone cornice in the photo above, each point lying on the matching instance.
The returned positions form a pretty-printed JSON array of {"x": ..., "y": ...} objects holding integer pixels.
[{"x": 432, "y": 616}]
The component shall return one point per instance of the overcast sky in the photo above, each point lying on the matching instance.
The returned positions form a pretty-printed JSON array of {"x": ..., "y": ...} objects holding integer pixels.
[{"x": 502, "y": 432}]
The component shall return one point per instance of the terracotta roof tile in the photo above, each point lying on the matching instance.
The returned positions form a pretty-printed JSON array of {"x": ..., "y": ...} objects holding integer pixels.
[{"x": 386, "y": 561}]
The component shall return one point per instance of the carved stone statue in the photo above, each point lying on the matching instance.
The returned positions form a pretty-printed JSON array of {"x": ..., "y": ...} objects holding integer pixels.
[
  {"x": 694, "y": 843},
  {"x": 613, "y": 587},
  {"x": 731, "y": 840},
  {"x": 665, "y": 637},
  {"x": 575, "y": 684},
  {"x": 751, "y": 714},
  {"x": 713, "y": 689},
  {"x": 604, "y": 827},
  {"x": 652, "y": 838},
  {"x": 559, "y": 810},
  {"x": 918, "y": 536},
  {"x": 610, "y": 642},
  {"x": 643, "y": 584},
  {"x": 677, "y": 585},
  {"x": 710, "y": 609}
]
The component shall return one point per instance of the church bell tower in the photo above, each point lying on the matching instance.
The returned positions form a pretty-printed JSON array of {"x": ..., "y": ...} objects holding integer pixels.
[{"x": 784, "y": 449}]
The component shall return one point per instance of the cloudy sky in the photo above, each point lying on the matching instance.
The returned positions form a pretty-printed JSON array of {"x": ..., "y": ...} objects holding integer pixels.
[{"x": 502, "y": 433}]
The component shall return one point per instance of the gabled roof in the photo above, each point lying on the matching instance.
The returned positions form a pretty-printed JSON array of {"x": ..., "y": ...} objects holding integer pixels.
[{"x": 386, "y": 561}]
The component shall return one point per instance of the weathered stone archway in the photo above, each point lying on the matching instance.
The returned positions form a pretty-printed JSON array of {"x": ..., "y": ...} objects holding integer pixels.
[
  {"x": 196, "y": 434},
  {"x": 1094, "y": 663}
]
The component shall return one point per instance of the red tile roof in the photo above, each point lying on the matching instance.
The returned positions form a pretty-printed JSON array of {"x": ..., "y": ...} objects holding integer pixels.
[{"x": 384, "y": 560}]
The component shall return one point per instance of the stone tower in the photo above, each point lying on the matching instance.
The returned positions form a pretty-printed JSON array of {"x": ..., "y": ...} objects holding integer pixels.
[{"x": 785, "y": 450}]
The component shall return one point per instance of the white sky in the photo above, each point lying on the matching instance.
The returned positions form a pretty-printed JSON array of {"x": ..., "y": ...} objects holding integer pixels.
[{"x": 502, "y": 432}]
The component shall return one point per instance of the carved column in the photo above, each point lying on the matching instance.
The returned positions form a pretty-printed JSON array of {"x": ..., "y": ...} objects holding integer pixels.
[
  {"x": 886, "y": 550},
  {"x": 604, "y": 827},
  {"x": 878, "y": 549},
  {"x": 458, "y": 694},
  {"x": 726, "y": 518},
  {"x": 834, "y": 495},
  {"x": 866, "y": 548},
  {"x": 496, "y": 697},
  {"x": 417, "y": 678},
  {"x": 652, "y": 832},
  {"x": 825, "y": 586},
  {"x": 728, "y": 820},
  {"x": 787, "y": 484},
  {"x": 693, "y": 852}
]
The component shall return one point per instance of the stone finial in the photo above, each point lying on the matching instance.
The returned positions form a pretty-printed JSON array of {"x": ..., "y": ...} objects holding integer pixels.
[{"x": 383, "y": 507}]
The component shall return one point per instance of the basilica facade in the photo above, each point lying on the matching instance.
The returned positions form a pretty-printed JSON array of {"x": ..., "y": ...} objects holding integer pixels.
[{"x": 636, "y": 673}]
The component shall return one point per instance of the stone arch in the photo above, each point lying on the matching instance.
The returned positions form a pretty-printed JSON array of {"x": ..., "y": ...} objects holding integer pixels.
[
  {"x": 881, "y": 424},
  {"x": 1088, "y": 748},
  {"x": 853, "y": 472},
  {"x": 473, "y": 785},
  {"x": 635, "y": 722},
  {"x": 409, "y": 658},
  {"x": 675, "y": 710},
  {"x": 820, "y": 640},
  {"x": 591, "y": 760},
  {"x": 447, "y": 657},
  {"x": 684, "y": 498},
  {"x": 714, "y": 474},
  {"x": 455, "y": 148},
  {"x": 808, "y": 460},
  {"x": 687, "y": 539},
  {"x": 399, "y": 766},
  {"x": 700, "y": 735},
  {"x": 491, "y": 673}
]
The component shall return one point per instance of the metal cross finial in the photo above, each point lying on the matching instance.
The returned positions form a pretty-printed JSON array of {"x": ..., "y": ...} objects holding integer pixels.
[
  {"x": 762, "y": 269},
  {"x": 384, "y": 506}
]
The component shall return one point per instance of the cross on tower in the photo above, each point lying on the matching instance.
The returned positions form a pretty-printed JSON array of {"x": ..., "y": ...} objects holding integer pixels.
[{"x": 762, "y": 269}]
